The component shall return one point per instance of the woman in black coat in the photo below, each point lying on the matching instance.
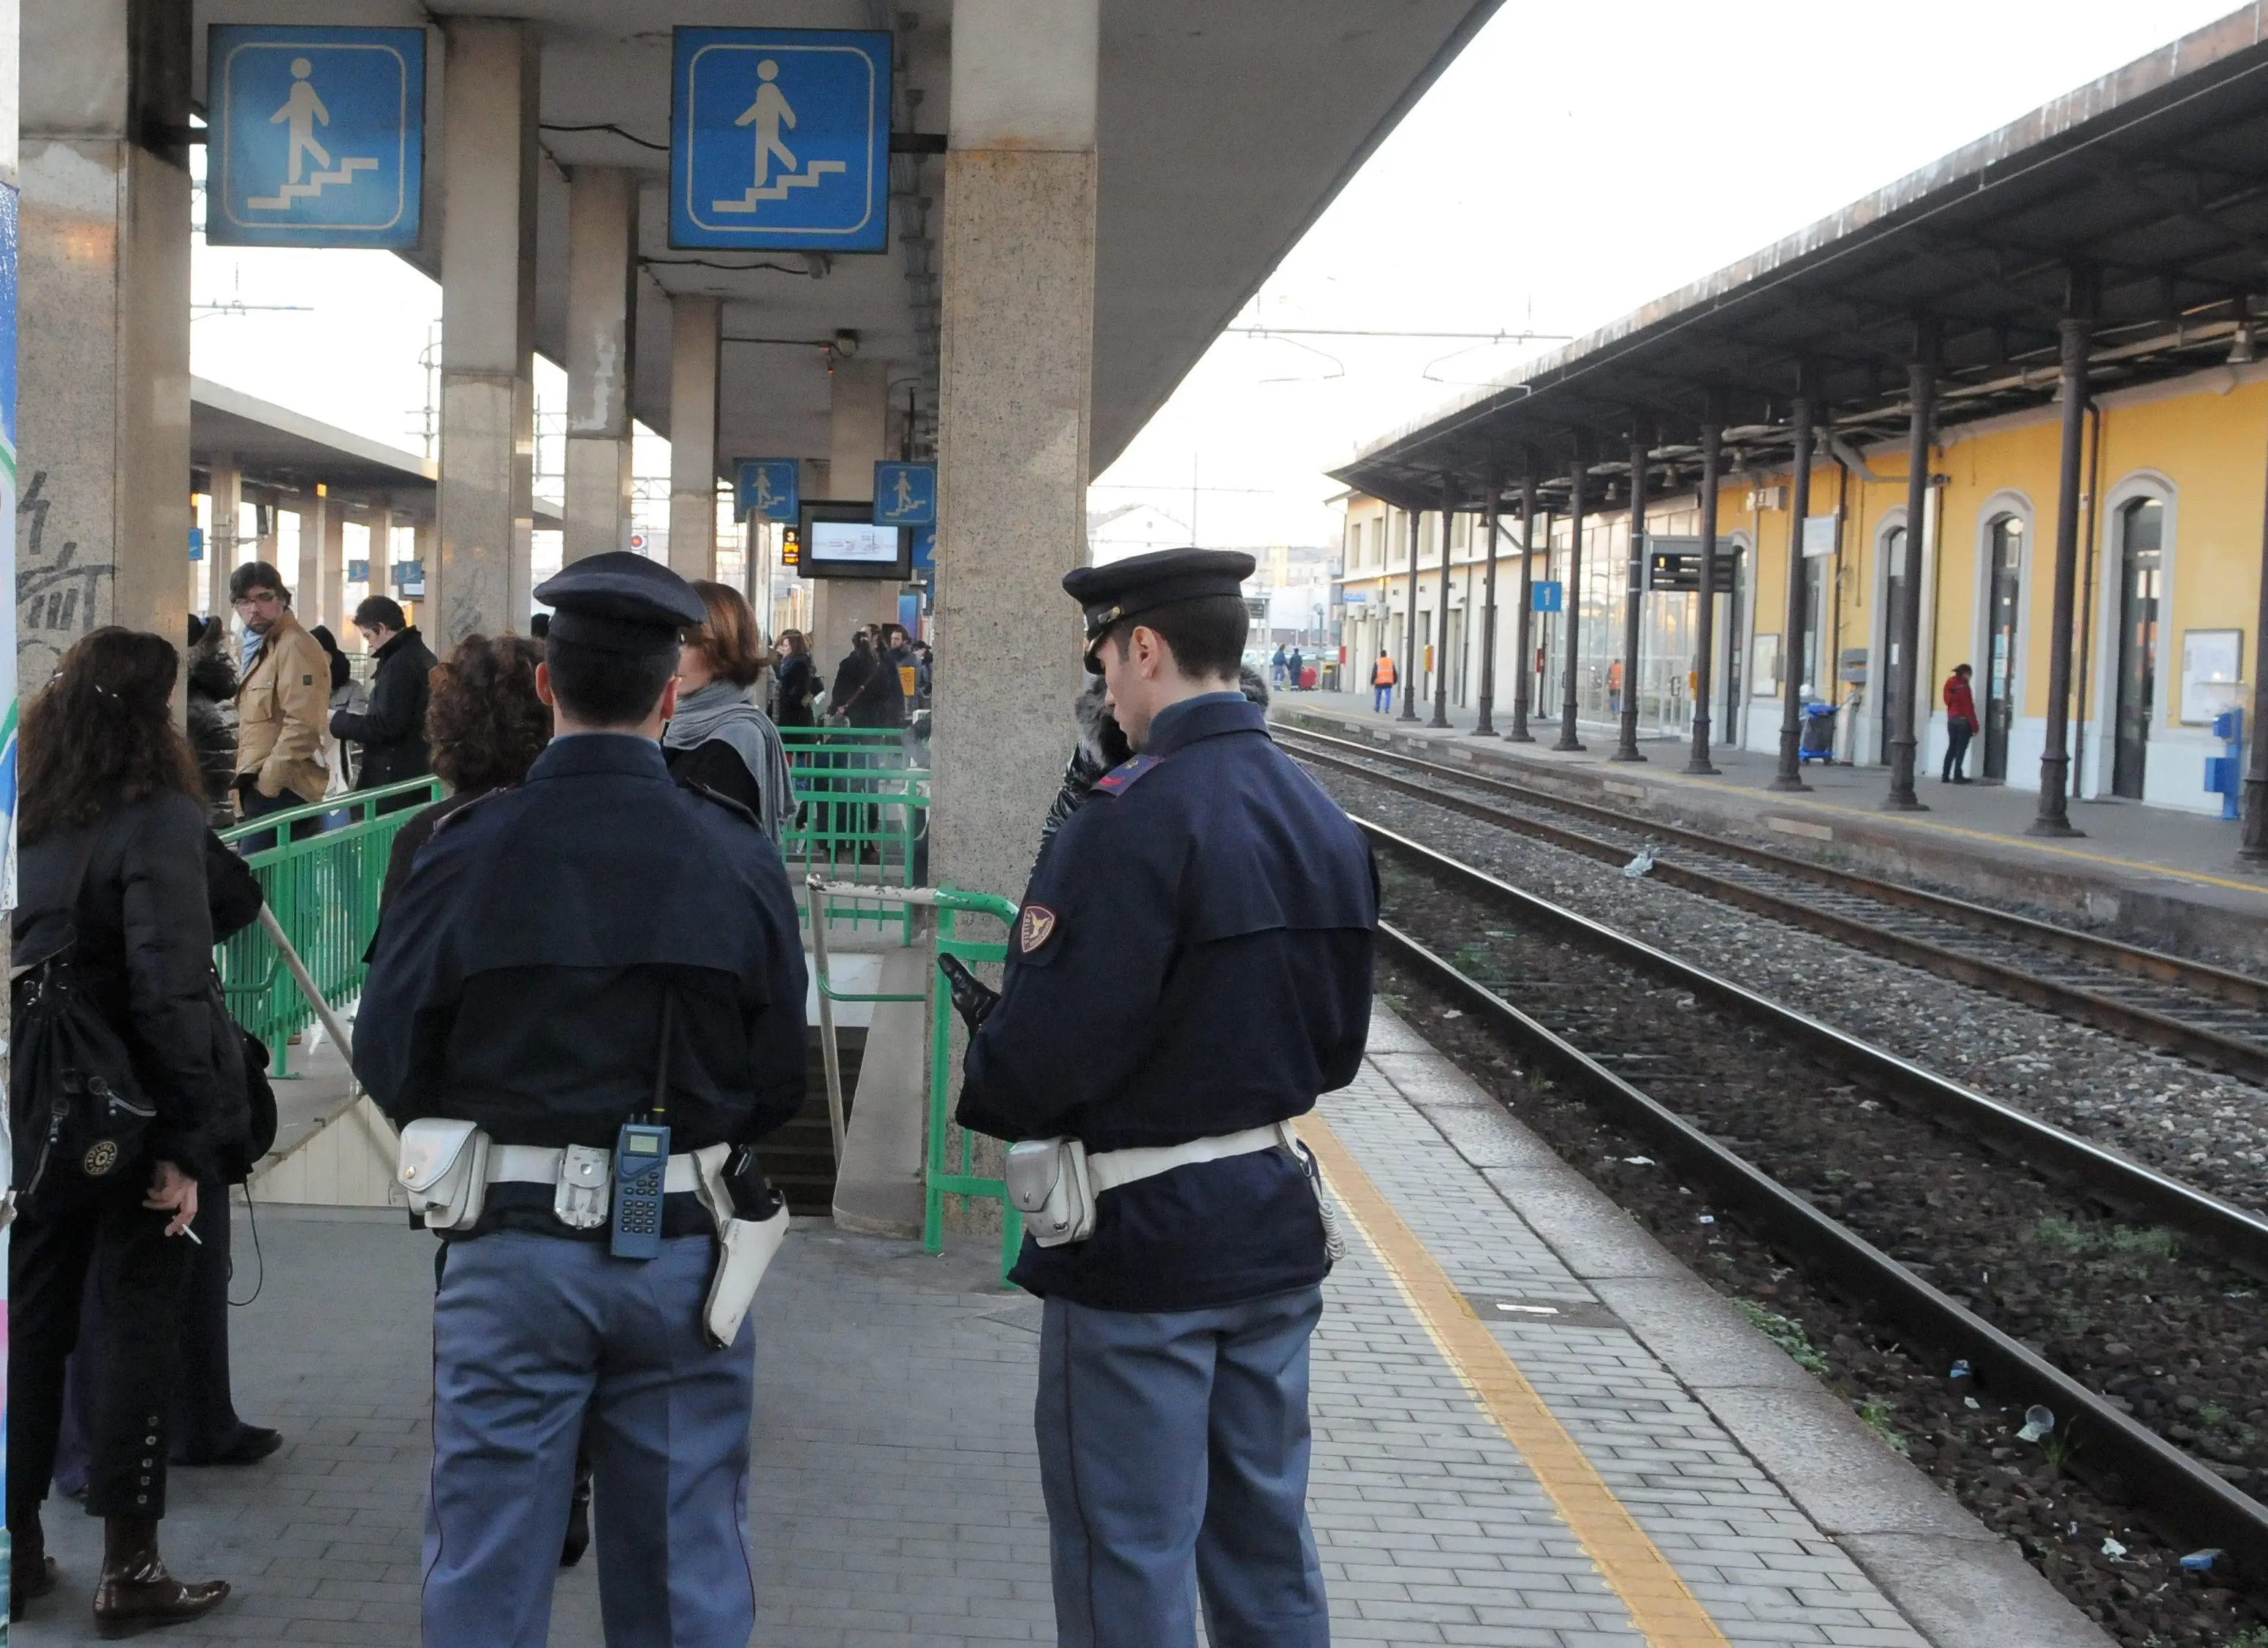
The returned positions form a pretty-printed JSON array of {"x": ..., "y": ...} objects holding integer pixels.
[
  {"x": 113, "y": 832},
  {"x": 798, "y": 681}
]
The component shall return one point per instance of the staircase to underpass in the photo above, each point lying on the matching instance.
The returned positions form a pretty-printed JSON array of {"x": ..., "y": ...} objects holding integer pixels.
[{"x": 799, "y": 1158}]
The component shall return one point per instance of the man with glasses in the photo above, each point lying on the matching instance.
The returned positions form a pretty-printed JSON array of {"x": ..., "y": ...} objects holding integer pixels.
[{"x": 281, "y": 707}]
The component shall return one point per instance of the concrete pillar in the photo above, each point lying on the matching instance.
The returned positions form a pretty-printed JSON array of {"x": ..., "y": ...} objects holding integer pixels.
[
  {"x": 480, "y": 580},
  {"x": 103, "y": 325},
  {"x": 602, "y": 216},
  {"x": 859, "y": 431},
  {"x": 1017, "y": 353},
  {"x": 695, "y": 326},
  {"x": 220, "y": 544},
  {"x": 327, "y": 551}
]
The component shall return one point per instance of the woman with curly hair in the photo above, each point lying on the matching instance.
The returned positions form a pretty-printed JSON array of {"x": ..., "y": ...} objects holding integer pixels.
[
  {"x": 485, "y": 725},
  {"x": 112, "y": 873}
]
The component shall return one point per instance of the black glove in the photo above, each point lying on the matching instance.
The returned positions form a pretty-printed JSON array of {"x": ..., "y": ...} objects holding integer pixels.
[{"x": 972, "y": 998}]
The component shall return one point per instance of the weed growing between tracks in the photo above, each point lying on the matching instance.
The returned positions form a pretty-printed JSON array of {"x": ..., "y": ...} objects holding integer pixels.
[{"x": 2076, "y": 1533}]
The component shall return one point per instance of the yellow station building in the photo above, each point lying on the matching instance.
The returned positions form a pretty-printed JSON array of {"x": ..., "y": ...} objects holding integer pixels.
[{"x": 2116, "y": 241}]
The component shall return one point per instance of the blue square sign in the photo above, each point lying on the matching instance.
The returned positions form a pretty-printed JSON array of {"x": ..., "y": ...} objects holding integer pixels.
[
  {"x": 779, "y": 139},
  {"x": 767, "y": 489},
  {"x": 1547, "y": 595},
  {"x": 905, "y": 495},
  {"x": 317, "y": 135}
]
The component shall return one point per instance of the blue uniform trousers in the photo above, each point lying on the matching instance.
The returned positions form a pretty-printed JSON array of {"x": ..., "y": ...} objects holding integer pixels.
[
  {"x": 1173, "y": 1457},
  {"x": 528, "y": 1332}
]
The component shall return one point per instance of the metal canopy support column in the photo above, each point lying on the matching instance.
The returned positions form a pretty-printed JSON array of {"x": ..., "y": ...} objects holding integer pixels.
[
  {"x": 1790, "y": 775},
  {"x": 1626, "y": 747},
  {"x": 1900, "y": 678},
  {"x": 1572, "y": 599},
  {"x": 602, "y": 217},
  {"x": 1523, "y": 670},
  {"x": 1441, "y": 618},
  {"x": 488, "y": 330},
  {"x": 1411, "y": 679},
  {"x": 2055, "y": 755},
  {"x": 226, "y": 501},
  {"x": 1483, "y": 725},
  {"x": 1713, "y": 449}
]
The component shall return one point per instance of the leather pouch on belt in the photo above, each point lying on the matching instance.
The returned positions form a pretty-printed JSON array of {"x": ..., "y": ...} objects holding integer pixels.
[
  {"x": 1048, "y": 1183},
  {"x": 744, "y": 1250},
  {"x": 445, "y": 1168}
]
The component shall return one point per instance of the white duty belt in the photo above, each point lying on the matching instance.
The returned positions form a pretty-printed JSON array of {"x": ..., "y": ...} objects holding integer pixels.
[
  {"x": 1054, "y": 1182},
  {"x": 540, "y": 1164}
]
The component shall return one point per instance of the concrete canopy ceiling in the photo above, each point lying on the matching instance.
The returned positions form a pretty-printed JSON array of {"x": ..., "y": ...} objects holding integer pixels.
[{"x": 1227, "y": 126}]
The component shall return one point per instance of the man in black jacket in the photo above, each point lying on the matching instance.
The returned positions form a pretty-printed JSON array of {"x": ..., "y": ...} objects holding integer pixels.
[{"x": 391, "y": 731}]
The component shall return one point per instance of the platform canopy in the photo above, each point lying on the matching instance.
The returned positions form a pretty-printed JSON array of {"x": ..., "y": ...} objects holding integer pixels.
[
  {"x": 1225, "y": 130},
  {"x": 2139, "y": 201}
]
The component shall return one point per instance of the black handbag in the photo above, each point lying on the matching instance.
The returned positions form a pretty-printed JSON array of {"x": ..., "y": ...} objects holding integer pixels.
[{"x": 76, "y": 1103}]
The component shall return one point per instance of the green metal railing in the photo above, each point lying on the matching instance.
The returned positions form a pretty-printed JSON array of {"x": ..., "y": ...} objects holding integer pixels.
[
  {"x": 323, "y": 891},
  {"x": 863, "y": 818},
  {"x": 952, "y": 1148}
]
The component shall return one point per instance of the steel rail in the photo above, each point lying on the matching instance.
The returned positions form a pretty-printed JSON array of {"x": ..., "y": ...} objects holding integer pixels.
[
  {"x": 2192, "y": 1505},
  {"x": 2213, "y": 1048},
  {"x": 2236, "y": 1235}
]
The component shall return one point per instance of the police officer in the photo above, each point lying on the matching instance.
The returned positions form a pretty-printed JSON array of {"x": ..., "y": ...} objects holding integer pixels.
[
  {"x": 1190, "y": 967},
  {"x": 596, "y": 946}
]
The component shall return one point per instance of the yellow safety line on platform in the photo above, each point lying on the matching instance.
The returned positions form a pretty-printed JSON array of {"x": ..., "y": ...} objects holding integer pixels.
[{"x": 1666, "y": 1612}]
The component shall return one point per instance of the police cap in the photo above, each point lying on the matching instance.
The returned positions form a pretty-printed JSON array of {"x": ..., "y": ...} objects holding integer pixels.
[
  {"x": 621, "y": 602},
  {"x": 1142, "y": 583}
]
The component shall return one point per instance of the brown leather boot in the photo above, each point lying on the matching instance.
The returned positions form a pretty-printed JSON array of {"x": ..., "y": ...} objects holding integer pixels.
[
  {"x": 31, "y": 1571},
  {"x": 136, "y": 1590}
]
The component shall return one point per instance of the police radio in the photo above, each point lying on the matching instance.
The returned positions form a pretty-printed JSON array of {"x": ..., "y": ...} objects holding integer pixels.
[{"x": 642, "y": 1165}]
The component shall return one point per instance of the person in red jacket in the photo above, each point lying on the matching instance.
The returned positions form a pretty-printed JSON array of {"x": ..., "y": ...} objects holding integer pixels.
[{"x": 1961, "y": 724}]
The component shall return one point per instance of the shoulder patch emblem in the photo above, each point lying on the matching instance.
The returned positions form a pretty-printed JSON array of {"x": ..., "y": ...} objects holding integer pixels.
[
  {"x": 1035, "y": 928},
  {"x": 1127, "y": 774}
]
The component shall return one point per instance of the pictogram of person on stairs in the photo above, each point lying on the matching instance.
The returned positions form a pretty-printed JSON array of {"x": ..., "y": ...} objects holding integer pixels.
[{"x": 302, "y": 109}]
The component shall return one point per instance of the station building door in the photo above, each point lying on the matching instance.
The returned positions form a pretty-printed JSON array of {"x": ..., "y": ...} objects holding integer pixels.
[
  {"x": 2141, "y": 562},
  {"x": 1879, "y": 673},
  {"x": 2001, "y": 595}
]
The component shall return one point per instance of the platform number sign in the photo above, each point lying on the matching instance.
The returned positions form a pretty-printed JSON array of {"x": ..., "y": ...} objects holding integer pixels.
[
  {"x": 317, "y": 135},
  {"x": 779, "y": 139}
]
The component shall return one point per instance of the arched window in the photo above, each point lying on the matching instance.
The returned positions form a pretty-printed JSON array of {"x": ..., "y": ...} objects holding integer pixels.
[
  {"x": 2003, "y": 605},
  {"x": 2141, "y": 586}
]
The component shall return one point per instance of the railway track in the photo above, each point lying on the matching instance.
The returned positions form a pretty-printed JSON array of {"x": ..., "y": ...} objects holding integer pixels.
[
  {"x": 1753, "y": 1105},
  {"x": 2209, "y": 1015}
]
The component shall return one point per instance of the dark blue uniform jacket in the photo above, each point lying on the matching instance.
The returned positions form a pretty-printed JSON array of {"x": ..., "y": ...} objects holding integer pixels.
[
  {"x": 518, "y": 976},
  {"x": 1193, "y": 957}
]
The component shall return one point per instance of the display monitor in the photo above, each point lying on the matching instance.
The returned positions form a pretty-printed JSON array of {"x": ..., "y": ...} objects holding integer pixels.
[{"x": 839, "y": 540}]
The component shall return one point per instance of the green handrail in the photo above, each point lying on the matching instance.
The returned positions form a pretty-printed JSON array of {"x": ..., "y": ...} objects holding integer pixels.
[
  {"x": 952, "y": 1148},
  {"x": 863, "y": 817},
  {"x": 324, "y": 891}
]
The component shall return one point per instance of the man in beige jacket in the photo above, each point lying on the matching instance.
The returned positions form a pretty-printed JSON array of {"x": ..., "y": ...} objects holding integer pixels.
[{"x": 281, "y": 708}]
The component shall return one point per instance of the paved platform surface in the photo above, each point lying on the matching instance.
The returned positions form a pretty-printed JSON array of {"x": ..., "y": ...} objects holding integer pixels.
[
  {"x": 2158, "y": 874},
  {"x": 896, "y": 1498}
]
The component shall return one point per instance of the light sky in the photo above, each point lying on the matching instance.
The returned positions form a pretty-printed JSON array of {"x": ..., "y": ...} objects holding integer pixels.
[{"x": 1574, "y": 162}]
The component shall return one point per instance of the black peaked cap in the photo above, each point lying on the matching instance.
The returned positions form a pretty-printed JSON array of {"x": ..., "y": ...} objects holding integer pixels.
[
  {"x": 621, "y": 602},
  {"x": 1141, "y": 583}
]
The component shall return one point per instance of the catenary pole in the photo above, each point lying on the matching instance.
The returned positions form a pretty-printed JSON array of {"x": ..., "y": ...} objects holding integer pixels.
[{"x": 1713, "y": 452}]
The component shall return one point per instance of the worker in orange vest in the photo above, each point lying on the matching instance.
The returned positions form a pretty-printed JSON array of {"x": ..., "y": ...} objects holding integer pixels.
[{"x": 1381, "y": 683}]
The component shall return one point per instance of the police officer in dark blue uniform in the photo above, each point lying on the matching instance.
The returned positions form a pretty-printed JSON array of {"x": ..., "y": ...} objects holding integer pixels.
[
  {"x": 581, "y": 977},
  {"x": 1190, "y": 967}
]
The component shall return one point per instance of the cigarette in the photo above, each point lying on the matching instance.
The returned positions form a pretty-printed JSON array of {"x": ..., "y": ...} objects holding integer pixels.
[{"x": 192, "y": 1235}]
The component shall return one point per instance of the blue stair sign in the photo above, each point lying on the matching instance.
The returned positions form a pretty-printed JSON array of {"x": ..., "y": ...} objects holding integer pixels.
[
  {"x": 767, "y": 489},
  {"x": 1547, "y": 595},
  {"x": 357, "y": 571},
  {"x": 779, "y": 139},
  {"x": 197, "y": 543},
  {"x": 905, "y": 495},
  {"x": 317, "y": 135}
]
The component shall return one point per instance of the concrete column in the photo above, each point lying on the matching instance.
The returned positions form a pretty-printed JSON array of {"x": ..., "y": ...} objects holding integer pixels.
[
  {"x": 220, "y": 543},
  {"x": 480, "y": 580},
  {"x": 858, "y": 433},
  {"x": 329, "y": 556},
  {"x": 103, "y": 325},
  {"x": 1016, "y": 367},
  {"x": 696, "y": 324},
  {"x": 602, "y": 217}
]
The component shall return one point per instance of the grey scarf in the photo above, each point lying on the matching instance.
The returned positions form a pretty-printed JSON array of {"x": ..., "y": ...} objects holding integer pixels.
[{"x": 722, "y": 710}]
